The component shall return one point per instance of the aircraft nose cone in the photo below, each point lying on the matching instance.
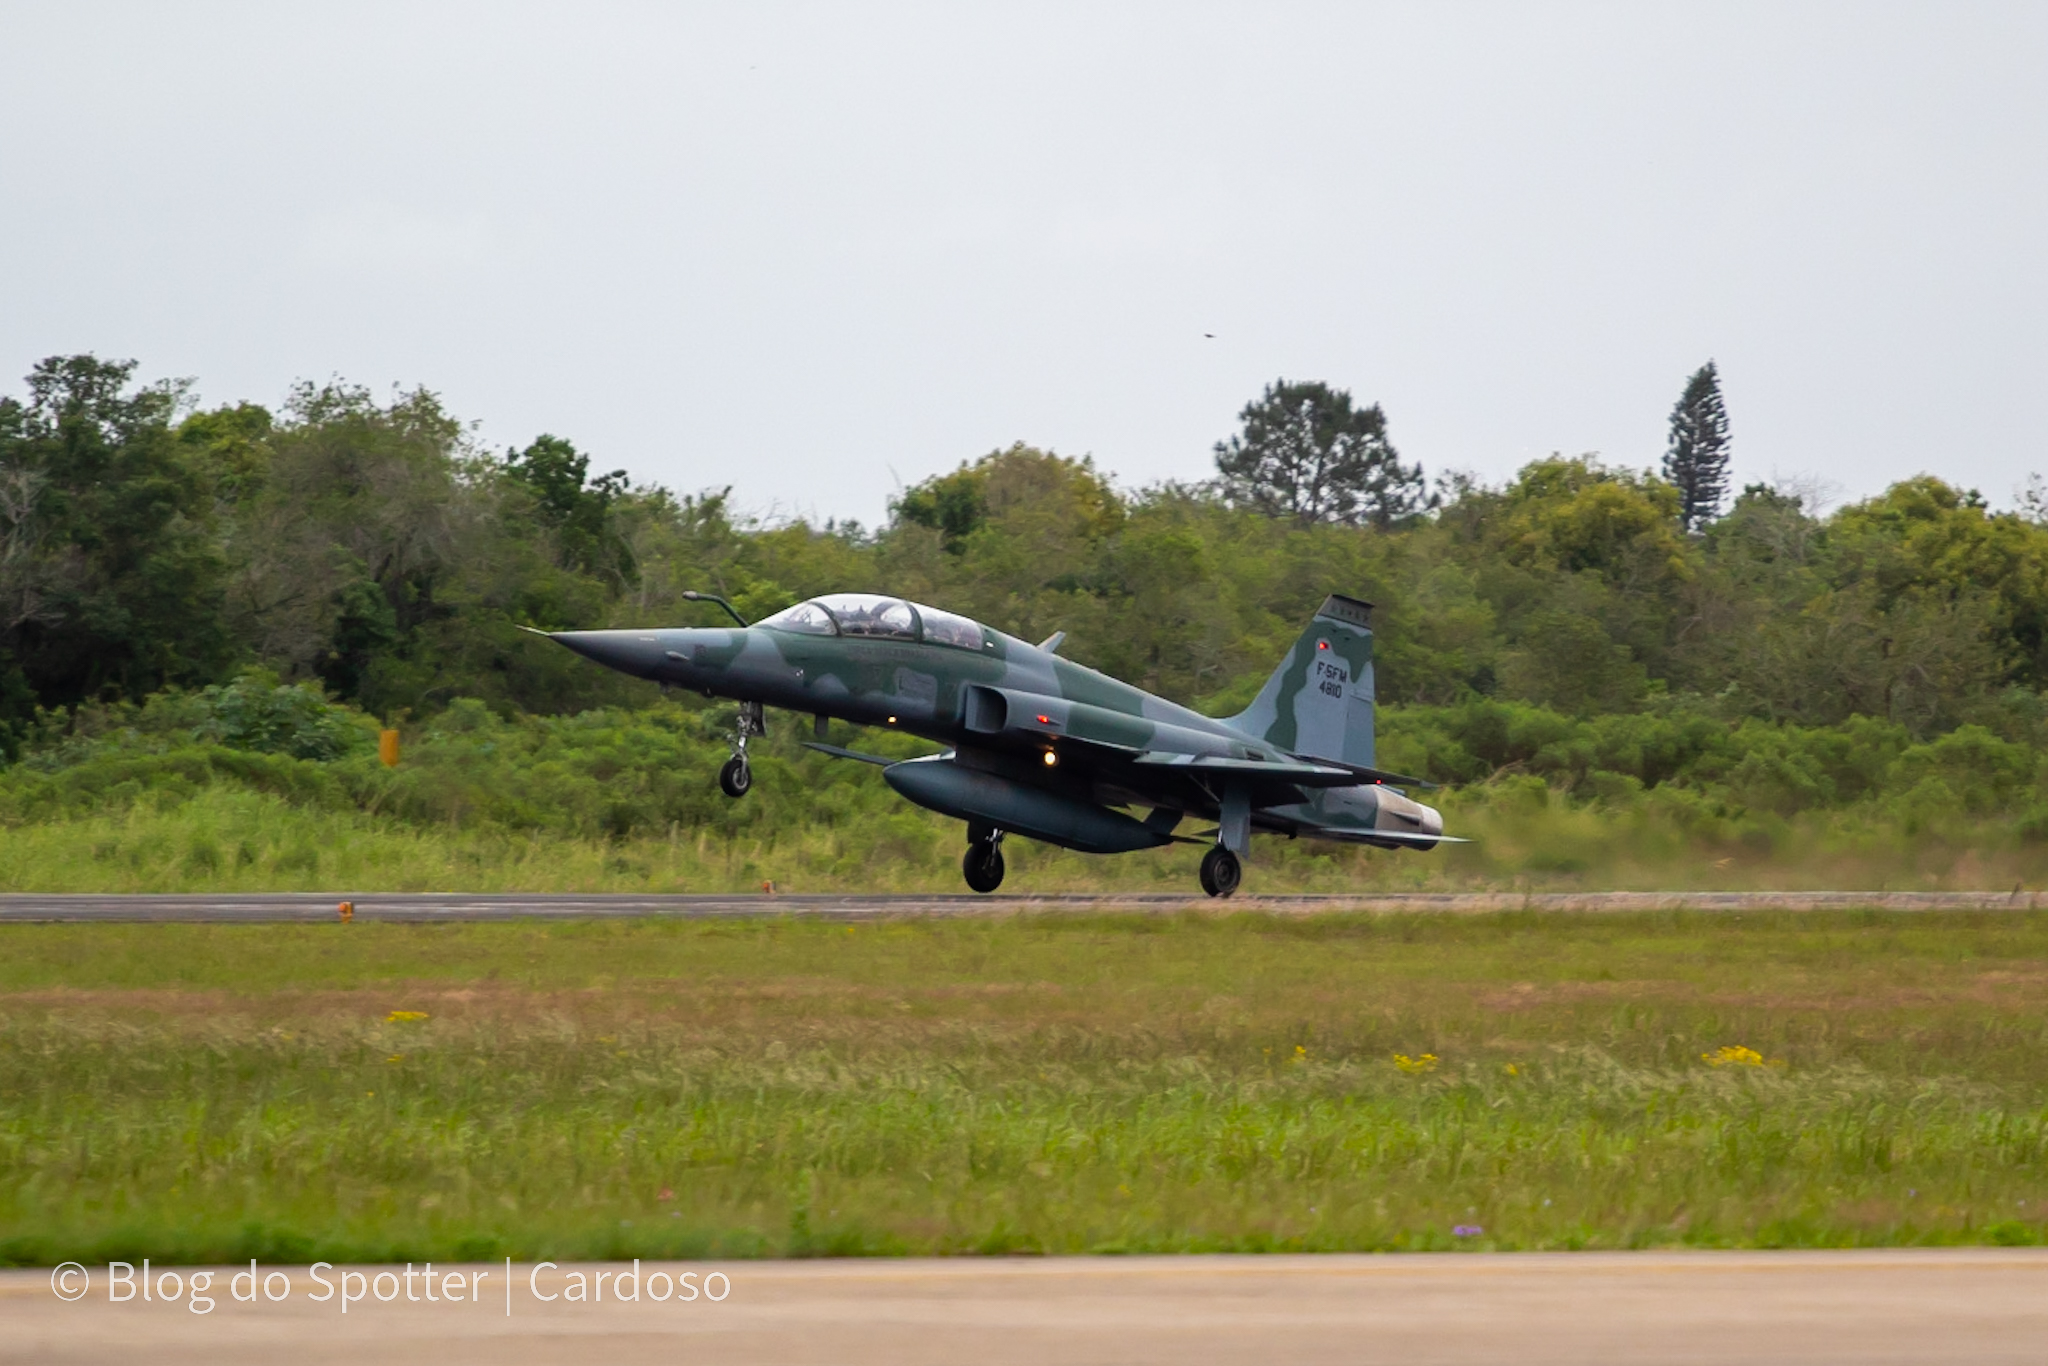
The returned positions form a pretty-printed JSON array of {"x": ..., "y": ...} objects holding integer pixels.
[{"x": 632, "y": 652}]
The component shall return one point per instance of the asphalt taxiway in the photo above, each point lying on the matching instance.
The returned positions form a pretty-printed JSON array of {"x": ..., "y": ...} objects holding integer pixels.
[{"x": 260, "y": 908}]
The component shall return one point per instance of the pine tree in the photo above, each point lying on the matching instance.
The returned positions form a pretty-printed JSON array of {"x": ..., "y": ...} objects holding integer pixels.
[
  {"x": 1309, "y": 453},
  {"x": 1697, "y": 459}
]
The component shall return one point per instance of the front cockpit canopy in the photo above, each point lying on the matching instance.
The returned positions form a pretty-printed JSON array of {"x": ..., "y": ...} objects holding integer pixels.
[
  {"x": 859, "y": 614},
  {"x": 804, "y": 619},
  {"x": 866, "y": 614}
]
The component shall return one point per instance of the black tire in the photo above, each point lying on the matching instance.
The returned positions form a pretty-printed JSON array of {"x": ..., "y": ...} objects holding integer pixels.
[
  {"x": 1221, "y": 872},
  {"x": 736, "y": 778},
  {"x": 983, "y": 866}
]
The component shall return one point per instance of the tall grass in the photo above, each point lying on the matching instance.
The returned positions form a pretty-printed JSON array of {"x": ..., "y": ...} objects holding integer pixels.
[
  {"x": 262, "y": 787},
  {"x": 226, "y": 838}
]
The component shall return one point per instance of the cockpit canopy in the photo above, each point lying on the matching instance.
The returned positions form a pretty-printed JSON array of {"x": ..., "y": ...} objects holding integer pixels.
[{"x": 865, "y": 614}]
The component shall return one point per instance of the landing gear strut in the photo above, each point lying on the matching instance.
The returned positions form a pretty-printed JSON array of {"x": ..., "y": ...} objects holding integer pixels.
[
  {"x": 1221, "y": 872},
  {"x": 983, "y": 864},
  {"x": 737, "y": 777}
]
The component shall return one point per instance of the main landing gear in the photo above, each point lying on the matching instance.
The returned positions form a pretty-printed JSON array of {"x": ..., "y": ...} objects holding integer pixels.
[
  {"x": 736, "y": 779},
  {"x": 1221, "y": 872},
  {"x": 983, "y": 864}
]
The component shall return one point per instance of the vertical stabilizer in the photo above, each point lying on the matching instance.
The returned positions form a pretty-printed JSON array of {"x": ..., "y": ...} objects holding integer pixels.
[{"x": 1318, "y": 703}]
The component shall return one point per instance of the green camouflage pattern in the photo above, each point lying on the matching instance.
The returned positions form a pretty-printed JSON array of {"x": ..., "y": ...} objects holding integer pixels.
[{"x": 1297, "y": 761}]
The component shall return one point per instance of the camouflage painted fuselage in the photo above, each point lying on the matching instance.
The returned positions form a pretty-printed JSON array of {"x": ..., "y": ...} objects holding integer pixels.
[{"x": 1298, "y": 761}]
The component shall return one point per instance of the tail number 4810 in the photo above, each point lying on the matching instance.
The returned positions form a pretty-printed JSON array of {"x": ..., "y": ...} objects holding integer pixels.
[{"x": 1332, "y": 676}]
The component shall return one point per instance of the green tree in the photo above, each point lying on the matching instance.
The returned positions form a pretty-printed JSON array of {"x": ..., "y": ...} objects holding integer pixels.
[
  {"x": 576, "y": 507},
  {"x": 1567, "y": 661},
  {"x": 1696, "y": 461},
  {"x": 369, "y": 546},
  {"x": 955, "y": 505},
  {"x": 1578, "y": 538},
  {"x": 1307, "y": 452},
  {"x": 111, "y": 576}
]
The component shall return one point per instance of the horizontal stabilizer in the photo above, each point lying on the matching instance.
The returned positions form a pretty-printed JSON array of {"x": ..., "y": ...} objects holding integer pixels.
[
  {"x": 838, "y": 753},
  {"x": 1051, "y": 644}
]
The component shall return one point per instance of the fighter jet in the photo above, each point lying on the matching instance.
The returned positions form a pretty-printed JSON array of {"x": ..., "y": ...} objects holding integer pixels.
[{"x": 1040, "y": 746}]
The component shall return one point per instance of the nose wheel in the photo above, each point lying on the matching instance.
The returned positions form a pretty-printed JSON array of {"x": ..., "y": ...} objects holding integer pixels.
[
  {"x": 983, "y": 864},
  {"x": 736, "y": 779},
  {"x": 1221, "y": 872}
]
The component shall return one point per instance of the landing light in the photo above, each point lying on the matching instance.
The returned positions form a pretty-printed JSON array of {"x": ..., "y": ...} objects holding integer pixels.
[
  {"x": 892, "y": 720},
  {"x": 1051, "y": 759}
]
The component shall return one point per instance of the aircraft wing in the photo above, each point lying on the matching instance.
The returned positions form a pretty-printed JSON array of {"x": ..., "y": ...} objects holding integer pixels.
[
  {"x": 1363, "y": 774},
  {"x": 836, "y": 752},
  {"x": 1299, "y": 772},
  {"x": 1344, "y": 836},
  {"x": 1295, "y": 771},
  {"x": 1273, "y": 782}
]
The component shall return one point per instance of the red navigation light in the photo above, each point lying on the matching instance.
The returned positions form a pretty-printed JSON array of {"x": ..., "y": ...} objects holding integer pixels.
[
  {"x": 1045, "y": 720},
  {"x": 1322, "y": 645}
]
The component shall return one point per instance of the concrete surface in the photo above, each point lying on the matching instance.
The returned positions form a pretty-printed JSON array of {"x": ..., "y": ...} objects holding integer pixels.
[{"x": 1873, "y": 1308}]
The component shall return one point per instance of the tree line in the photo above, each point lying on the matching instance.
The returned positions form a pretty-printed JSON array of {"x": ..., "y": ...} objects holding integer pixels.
[{"x": 374, "y": 548}]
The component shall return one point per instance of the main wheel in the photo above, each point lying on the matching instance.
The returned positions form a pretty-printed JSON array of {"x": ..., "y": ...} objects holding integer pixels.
[
  {"x": 1221, "y": 872},
  {"x": 983, "y": 865},
  {"x": 736, "y": 777}
]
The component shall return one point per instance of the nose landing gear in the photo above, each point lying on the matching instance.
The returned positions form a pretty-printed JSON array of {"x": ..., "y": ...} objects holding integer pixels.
[
  {"x": 736, "y": 779},
  {"x": 983, "y": 864}
]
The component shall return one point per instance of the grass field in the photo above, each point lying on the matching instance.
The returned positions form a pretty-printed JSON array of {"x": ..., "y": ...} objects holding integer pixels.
[{"x": 1049, "y": 1084}]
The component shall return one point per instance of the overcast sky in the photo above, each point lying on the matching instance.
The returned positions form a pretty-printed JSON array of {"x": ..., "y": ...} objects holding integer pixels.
[{"x": 811, "y": 251}]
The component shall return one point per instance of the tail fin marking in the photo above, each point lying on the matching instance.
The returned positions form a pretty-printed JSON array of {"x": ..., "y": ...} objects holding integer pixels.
[{"x": 1319, "y": 702}]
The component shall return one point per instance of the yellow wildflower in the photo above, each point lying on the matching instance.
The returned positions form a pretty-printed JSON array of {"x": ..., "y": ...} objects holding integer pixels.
[
  {"x": 1416, "y": 1066},
  {"x": 1733, "y": 1055},
  {"x": 405, "y": 1016}
]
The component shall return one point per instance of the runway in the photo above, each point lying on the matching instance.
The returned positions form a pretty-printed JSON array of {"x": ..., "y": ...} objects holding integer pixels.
[
  {"x": 1980, "y": 1305},
  {"x": 285, "y": 907}
]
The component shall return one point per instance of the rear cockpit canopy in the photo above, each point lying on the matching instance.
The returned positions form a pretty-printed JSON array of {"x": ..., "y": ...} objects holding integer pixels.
[{"x": 865, "y": 614}]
